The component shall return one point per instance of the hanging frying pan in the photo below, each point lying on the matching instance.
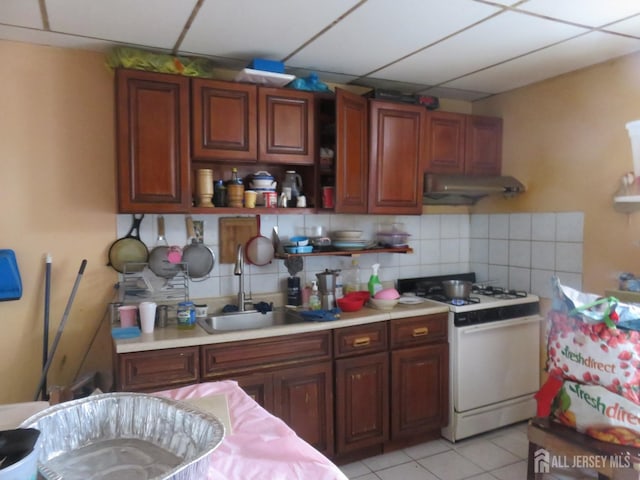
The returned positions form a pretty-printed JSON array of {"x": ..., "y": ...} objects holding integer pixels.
[
  {"x": 259, "y": 249},
  {"x": 129, "y": 249},
  {"x": 198, "y": 258},
  {"x": 160, "y": 258}
]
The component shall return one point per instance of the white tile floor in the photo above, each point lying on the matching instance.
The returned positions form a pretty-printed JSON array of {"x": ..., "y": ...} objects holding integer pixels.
[{"x": 497, "y": 455}]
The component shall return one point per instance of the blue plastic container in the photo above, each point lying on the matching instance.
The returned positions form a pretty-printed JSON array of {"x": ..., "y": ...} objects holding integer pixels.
[{"x": 267, "y": 65}]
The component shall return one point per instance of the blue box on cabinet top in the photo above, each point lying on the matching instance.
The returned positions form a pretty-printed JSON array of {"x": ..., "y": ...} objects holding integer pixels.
[{"x": 267, "y": 65}]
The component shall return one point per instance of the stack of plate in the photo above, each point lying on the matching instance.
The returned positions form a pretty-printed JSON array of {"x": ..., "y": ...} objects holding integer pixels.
[{"x": 349, "y": 240}]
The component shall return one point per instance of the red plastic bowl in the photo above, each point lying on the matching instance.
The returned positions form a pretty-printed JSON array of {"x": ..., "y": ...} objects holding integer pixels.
[
  {"x": 362, "y": 294},
  {"x": 350, "y": 303}
]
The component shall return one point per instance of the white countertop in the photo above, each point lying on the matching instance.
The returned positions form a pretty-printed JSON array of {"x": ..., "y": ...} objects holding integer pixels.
[{"x": 171, "y": 337}]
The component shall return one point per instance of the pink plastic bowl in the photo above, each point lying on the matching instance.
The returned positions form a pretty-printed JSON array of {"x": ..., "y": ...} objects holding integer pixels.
[{"x": 387, "y": 294}]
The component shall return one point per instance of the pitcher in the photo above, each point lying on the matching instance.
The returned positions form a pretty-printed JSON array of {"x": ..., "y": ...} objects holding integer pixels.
[{"x": 292, "y": 186}]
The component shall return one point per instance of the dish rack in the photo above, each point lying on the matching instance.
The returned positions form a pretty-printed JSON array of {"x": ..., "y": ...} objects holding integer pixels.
[{"x": 138, "y": 284}]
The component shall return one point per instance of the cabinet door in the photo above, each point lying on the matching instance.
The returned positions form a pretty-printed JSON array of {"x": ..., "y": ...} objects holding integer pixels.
[
  {"x": 420, "y": 386},
  {"x": 352, "y": 153},
  {"x": 258, "y": 386},
  {"x": 224, "y": 121},
  {"x": 286, "y": 126},
  {"x": 397, "y": 151},
  {"x": 152, "y": 114},
  {"x": 483, "y": 150},
  {"x": 362, "y": 402},
  {"x": 157, "y": 369},
  {"x": 446, "y": 143},
  {"x": 302, "y": 398}
]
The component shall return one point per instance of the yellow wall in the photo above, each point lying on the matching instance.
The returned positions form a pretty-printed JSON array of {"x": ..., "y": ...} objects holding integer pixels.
[
  {"x": 565, "y": 138},
  {"x": 57, "y": 186}
]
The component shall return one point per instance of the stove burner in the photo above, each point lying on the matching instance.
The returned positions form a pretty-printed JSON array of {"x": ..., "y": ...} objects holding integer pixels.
[
  {"x": 457, "y": 301},
  {"x": 498, "y": 292}
]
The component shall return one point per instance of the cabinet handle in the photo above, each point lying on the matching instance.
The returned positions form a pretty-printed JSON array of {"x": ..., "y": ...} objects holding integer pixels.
[
  {"x": 420, "y": 332},
  {"x": 362, "y": 342}
]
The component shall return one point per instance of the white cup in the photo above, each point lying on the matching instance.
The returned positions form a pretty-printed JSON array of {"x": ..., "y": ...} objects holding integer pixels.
[
  {"x": 302, "y": 202},
  {"x": 147, "y": 316}
]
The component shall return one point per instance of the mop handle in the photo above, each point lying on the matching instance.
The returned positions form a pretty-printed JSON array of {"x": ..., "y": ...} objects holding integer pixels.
[
  {"x": 56, "y": 340},
  {"x": 45, "y": 334}
]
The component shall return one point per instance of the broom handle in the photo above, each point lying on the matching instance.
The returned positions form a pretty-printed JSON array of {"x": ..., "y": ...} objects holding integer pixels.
[
  {"x": 45, "y": 336},
  {"x": 56, "y": 340}
]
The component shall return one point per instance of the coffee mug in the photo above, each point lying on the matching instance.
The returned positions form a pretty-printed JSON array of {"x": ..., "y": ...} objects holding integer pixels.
[{"x": 302, "y": 201}]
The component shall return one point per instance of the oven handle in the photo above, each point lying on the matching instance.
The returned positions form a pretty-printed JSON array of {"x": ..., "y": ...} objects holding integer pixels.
[{"x": 501, "y": 324}]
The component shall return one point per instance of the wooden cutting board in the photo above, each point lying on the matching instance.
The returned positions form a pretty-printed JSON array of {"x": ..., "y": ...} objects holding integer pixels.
[{"x": 234, "y": 231}]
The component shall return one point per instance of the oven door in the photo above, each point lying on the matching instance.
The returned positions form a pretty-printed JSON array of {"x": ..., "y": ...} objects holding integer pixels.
[{"x": 495, "y": 361}]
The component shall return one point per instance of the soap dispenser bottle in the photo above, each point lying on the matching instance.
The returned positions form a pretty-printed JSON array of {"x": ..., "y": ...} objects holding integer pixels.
[
  {"x": 374, "y": 282},
  {"x": 314, "y": 299}
]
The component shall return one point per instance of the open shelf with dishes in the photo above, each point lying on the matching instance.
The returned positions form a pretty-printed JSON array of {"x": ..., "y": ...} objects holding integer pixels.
[{"x": 346, "y": 253}]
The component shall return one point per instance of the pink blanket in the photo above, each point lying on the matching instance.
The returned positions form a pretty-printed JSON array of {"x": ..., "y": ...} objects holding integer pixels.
[{"x": 261, "y": 446}]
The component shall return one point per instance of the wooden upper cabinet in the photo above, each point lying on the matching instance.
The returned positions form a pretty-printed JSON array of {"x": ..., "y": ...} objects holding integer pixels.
[
  {"x": 483, "y": 150},
  {"x": 446, "y": 143},
  {"x": 286, "y": 126},
  {"x": 397, "y": 152},
  {"x": 224, "y": 121},
  {"x": 464, "y": 144},
  {"x": 152, "y": 116},
  {"x": 352, "y": 152}
]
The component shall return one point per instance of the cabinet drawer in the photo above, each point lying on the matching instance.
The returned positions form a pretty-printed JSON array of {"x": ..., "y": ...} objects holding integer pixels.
[
  {"x": 158, "y": 369},
  {"x": 413, "y": 331},
  {"x": 360, "y": 339},
  {"x": 264, "y": 353}
]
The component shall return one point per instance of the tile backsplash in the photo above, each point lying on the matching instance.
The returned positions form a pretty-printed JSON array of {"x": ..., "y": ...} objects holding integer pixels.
[{"x": 518, "y": 250}]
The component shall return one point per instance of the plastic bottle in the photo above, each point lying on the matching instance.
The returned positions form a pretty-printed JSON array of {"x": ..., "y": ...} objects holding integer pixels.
[
  {"x": 374, "y": 282},
  {"x": 235, "y": 190},
  {"x": 338, "y": 288},
  {"x": 352, "y": 277},
  {"x": 314, "y": 298}
]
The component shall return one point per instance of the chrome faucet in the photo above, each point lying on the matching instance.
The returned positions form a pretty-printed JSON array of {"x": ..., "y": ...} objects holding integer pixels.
[{"x": 239, "y": 272}]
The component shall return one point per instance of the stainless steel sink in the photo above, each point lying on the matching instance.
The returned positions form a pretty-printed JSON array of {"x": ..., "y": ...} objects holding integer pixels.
[{"x": 248, "y": 320}]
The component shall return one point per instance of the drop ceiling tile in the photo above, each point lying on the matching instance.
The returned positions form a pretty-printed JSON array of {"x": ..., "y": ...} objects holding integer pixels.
[
  {"x": 630, "y": 26},
  {"x": 593, "y": 13},
  {"x": 41, "y": 37},
  {"x": 264, "y": 29},
  {"x": 156, "y": 23},
  {"x": 380, "y": 31},
  {"x": 23, "y": 13},
  {"x": 502, "y": 37},
  {"x": 565, "y": 57}
]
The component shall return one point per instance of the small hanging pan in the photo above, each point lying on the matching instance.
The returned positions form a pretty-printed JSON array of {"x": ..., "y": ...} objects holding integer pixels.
[
  {"x": 160, "y": 257},
  {"x": 259, "y": 249},
  {"x": 198, "y": 258},
  {"x": 129, "y": 249}
]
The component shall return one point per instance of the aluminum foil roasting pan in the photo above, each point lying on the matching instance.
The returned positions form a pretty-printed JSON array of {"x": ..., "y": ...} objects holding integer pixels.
[{"x": 120, "y": 436}]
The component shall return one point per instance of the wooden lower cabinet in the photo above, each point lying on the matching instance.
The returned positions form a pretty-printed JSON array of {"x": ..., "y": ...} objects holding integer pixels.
[
  {"x": 350, "y": 392},
  {"x": 362, "y": 402},
  {"x": 303, "y": 399},
  {"x": 290, "y": 376},
  {"x": 419, "y": 390}
]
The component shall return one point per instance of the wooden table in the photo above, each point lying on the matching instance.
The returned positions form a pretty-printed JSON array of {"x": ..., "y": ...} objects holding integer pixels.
[{"x": 569, "y": 448}]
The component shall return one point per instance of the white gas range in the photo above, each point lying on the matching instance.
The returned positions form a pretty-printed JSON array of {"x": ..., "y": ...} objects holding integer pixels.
[{"x": 494, "y": 344}]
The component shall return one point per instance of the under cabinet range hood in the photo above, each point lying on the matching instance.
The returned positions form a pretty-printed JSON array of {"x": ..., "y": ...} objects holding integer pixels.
[{"x": 467, "y": 189}]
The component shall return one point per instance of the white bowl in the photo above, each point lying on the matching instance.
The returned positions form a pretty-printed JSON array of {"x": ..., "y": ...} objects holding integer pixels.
[{"x": 383, "y": 303}]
